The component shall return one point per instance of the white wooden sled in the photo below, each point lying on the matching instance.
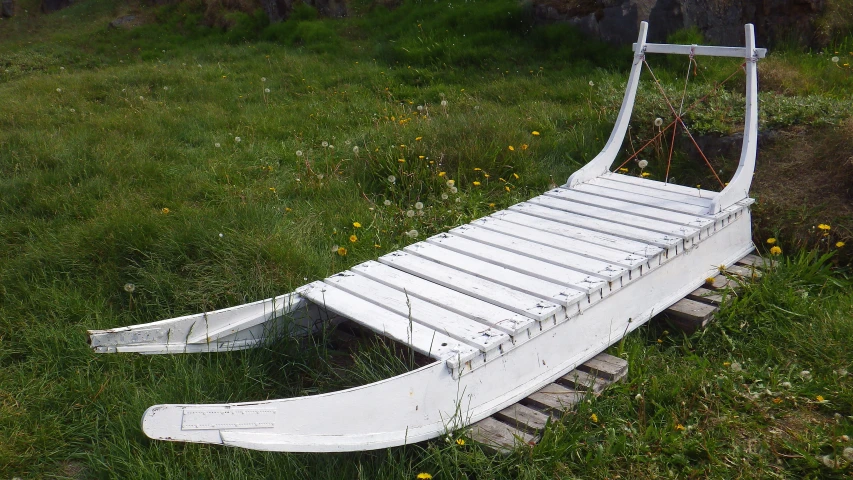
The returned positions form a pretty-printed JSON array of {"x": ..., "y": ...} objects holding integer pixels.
[{"x": 505, "y": 304}]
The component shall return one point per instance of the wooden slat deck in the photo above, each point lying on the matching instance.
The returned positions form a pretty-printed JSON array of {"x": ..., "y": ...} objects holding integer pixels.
[{"x": 472, "y": 294}]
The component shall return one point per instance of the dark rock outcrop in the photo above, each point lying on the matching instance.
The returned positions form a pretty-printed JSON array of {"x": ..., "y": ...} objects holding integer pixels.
[
  {"x": 720, "y": 21},
  {"x": 277, "y": 10},
  {"x": 329, "y": 8},
  {"x": 7, "y": 8},
  {"x": 50, "y": 6}
]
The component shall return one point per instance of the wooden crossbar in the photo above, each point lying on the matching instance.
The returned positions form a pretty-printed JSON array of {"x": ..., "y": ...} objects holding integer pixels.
[{"x": 701, "y": 50}]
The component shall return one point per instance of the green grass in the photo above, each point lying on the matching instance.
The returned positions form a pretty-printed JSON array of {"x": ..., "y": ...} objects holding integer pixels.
[{"x": 147, "y": 120}]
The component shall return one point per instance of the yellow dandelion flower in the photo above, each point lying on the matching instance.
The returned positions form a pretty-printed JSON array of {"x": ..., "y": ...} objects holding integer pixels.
[
  {"x": 165, "y": 211},
  {"x": 660, "y": 341},
  {"x": 839, "y": 244},
  {"x": 507, "y": 188},
  {"x": 476, "y": 184},
  {"x": 775, "y": 251},
  {"x": 820, "y": 398},
  {"x": 524, "y": 146},
  {"x": 623, "y": 170},
  {"x": 342, "y": 251},
  {"x": 534, "y": 133},
  {"x": 771, "y": 241},
  {"x": 376, "y": 245},
  {"x": 353, "y": 238},
  {"x": 460, "y": 441},
  {"x": 594, "y": 418},
  {"x": 645, "y": 174},
  {"x": 418, "y": 139},
  {"x": 502, "y": 179},
  {"x": 272, "y": 189},
  {"x": 777, "y": 400},
  {"x": 511, "y": 148},
  {"x": 477, "y": 169},
  {"x": 356, "y": 224},
  {"x": 722, "y": 268},
  {"x": 424, "y": 476},
  {"x": 727, "y": 364},
  {"x": 441, "y": 174},
  {"x": 492, "y": 205},
  {"x": 824, "y": 227},
  {"x": 486, "y": 175},
  {"x": 288, "y": 209},
  {"x": 401, "y": 160},
  {"x": 680, "y": 427},
  {"x": 421, "y": 157},
  {"x": 709, "y": 280},
  {"x": 515, "y": 176},
  {"x": 402, "y": 146}
]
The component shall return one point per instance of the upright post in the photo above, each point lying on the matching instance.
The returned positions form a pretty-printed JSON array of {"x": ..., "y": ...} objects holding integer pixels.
[
  {"x": 602, "y": 162},
  {"x": 738, "y": 188}
]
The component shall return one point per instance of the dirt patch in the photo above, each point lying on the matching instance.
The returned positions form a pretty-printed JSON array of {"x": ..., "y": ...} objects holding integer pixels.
[{"x": 803, "y": 179}]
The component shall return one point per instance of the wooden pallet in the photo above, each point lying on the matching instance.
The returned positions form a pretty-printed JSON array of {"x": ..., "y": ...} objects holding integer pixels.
[
  {"x": 697, "y": 309},
  {"x": 524, "y": 422}
]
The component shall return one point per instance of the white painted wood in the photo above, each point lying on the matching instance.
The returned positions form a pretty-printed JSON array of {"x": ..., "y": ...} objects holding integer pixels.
[
  {"x": 702, "y": 50},
  {"x": 667, "y": 187},
  {"x": 456, "y": 326},
  {"x": 647, "y": 250},
  {"x": 513, "y": 260},
  {"x": 671, "y": 229},
  {"x": 478, "y": 310},
  {"x": 669, "y": 242},
  {"x": 662, "y": 193},
  {"x": 423, "y": 340},
  {"x": 602, "y": 162},
  {"x": 427, "y": 402},
  {"x": 629, "y": 207},
  {"x": 578, "y": 247},
  {"x": 494, "y": 293},
  {"x": 477, "y": 240},
  {"x": 639, "y": 199},
  {"x": 233, "y": 328},
  {"x": 549, "y": 290},
  {"x": 738, "y": 187}
]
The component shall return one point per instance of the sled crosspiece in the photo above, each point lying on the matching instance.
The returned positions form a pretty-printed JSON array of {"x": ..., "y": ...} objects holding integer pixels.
[{"x": 505, "y": 305}]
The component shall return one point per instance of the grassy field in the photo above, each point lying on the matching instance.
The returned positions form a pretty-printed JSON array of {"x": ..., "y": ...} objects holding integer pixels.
[{"x": 170, "y": 168}]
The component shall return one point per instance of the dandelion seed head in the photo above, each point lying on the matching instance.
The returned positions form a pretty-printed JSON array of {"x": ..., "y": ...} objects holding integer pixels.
[
  {"x": 299, "y": 153},
  {"x": 58, "y": 90},
  {"x": 410, "y": 213},
  {"x": 355, "y": 150},
  {"x": 444, "y": 196},
  {"x": 643, "y": 163},
  {"x": 450, "y": 183},
  {"x": 263, "y": 79},
  {"x": 325, "y": 144},
  {"x": 238, "y": 139},
  {"x": 444, "y": 103},
  {"x": 419, "y": 206},
  {"x": 591, "y": 83},
  {"x": 835, "y": 59},
  {"x": 266, "y": 90},
  {"x": 129, "y": 287},
  {"x": 454, "y": 190},
  {"x": 658, "y": 122},
  {"x": 420, "y": 108},
  {"x": 221, "y": 235},
  {"x": 412, "y": 233},
  {"x": 166, "y": 88},
  {"x": 392, "y": 178},
  {"x": 387, "y": 203}
]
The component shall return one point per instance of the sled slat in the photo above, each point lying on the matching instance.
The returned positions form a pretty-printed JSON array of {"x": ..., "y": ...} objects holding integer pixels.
[
  {"x": 705, "y": 296},
  {"x": 428, "y": 314},
  {"x": 599, "y": 225},
  {"x": 671, "y": 229},
  {"x": 494, "y": 293},
  {"x": 629, "y": 207},
  {"x": 671, "y": 187},
  {"x": 579, "y": 233},
  {"x": 704, "y": 50},
  {"x": 396, "y": 327},
  {"x": 670, "y": 194},
  {"x": 476, "y": 309},
  {"x": 640, "y": 199},
  {"x": 551, "y": 240},
  {"x": 483, "y": 243},
  {"x": 583, "y": 381},
  {"x": 606, "y": 366},
  {"x": 522, "y": 278}
]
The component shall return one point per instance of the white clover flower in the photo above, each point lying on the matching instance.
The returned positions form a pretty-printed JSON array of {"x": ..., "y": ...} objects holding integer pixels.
[
  {"x": 238, "y": 139},
  {"x": 643, "y": 163},
  {"x": 392, "y": 178},
  {"x": 410, "y": 213},
  {"x": 355, "y": 149},
  {"x": 217, "y": 145},
  {"x": 412, "y": 233},
  {"x": 299, "y": 153},
  {"x": 835, "y": 59},
  {"x": 129, "y": 287},
  {"x": 419, "y": 206},
  {"x": 387, "y": 203},
  {"x": 444, "y": 103},
  {"x": 658, "y": 122},
  {"x": 325, "y": 144},
  {"x": 266, "y": 90},
  {"x": 638, "y": 397}
]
